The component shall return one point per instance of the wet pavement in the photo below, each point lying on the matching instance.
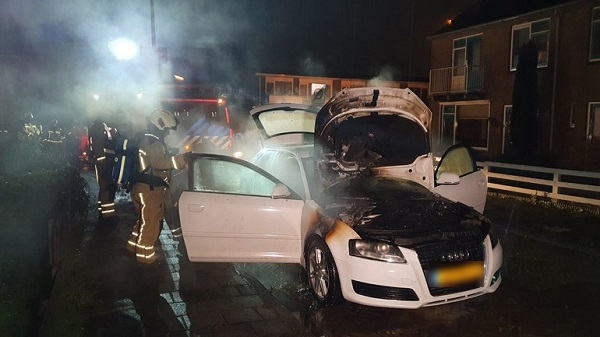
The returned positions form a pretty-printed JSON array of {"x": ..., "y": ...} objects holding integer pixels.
[{"x": 172, "y": 297}]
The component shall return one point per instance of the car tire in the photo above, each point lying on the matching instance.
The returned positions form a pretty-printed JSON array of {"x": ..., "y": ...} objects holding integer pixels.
[{"x": 321, "y": 273}]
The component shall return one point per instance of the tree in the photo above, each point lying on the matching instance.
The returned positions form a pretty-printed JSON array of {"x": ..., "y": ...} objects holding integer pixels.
[{"x": 523, "y": 120}]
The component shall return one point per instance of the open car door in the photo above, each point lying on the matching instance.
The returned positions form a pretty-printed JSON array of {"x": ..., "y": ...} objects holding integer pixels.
[
  {"x": 471, "y": 187},
  {"x": 233, "y": 211}
]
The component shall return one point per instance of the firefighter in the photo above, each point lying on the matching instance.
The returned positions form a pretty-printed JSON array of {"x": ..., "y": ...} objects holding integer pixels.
[
  {"x": 101, "y": 136},
  {"x": 150, "y": 193},
  {"x": 54, "y": 139},
  {"x": 54, "y": 133}
]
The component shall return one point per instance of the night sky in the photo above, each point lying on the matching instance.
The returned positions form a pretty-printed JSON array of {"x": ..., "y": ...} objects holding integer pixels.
[
  {"x": 53, "y": 53},
  {"x": 311, "y": 37}
]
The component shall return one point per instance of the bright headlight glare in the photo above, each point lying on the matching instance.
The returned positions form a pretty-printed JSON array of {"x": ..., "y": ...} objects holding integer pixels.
[{"x": 374, "y": 250}]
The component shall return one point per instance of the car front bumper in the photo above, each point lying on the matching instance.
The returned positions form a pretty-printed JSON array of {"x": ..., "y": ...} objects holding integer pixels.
[{"x": 395, "y": 285}]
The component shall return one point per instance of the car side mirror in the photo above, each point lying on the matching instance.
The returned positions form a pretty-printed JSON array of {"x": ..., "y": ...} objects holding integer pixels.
[
  {"x": 447, "y": 178},
  {"x": 280, "y": 191}
]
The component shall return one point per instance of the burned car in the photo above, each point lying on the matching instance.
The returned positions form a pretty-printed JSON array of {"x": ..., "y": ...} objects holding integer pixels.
[{"x": 363, "y": 208}]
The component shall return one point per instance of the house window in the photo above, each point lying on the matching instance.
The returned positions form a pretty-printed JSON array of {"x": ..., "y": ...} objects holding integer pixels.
[
  {"x": 283, "y": 88},
  {"x": 270, "y": 88},
  {"x": 593, "y": 132},
  {"x": 506, "y": 129},
  {"x": 539, "y": 33},
  {"x": 303, "y": 90},
  {"x": 467, "y": 51},
  {"x": 467, "y": 63},
  {"x": 595, "y": 35},
  {"x": 465, "y": 123},
  {"x": 459, "y": 57}
]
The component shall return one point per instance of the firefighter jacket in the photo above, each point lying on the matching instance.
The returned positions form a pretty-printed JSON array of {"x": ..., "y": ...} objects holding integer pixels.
[
  {"x": 155, "y": 161},
  {"x": 100, "y": 136}
]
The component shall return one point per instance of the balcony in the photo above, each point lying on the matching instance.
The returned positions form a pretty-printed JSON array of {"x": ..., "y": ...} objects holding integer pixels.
[{"x": 456, "y": 80}]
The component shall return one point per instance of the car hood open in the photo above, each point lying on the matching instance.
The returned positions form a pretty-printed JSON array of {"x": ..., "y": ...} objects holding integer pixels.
[
  {"x": 370, "y": 127},
  {"x": 402, "y": 212}
]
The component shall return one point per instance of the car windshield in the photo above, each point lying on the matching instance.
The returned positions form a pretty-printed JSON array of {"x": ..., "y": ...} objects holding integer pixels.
[
  {"x": 284, "y": 121},
  {"x": 382, "y": 139},
  {"x": 381, "y": 187}
]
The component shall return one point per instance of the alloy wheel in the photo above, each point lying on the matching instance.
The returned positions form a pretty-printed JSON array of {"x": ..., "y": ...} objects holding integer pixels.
[{"x": 318, "y": 272}]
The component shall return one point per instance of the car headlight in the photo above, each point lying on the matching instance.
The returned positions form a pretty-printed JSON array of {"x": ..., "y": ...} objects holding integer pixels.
[{"x": 374, "y": 250}]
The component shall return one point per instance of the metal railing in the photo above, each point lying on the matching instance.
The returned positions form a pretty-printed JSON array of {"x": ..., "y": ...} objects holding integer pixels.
[
  {"x": 554, "y": 184},
  {"x": 454, "y": 80}
]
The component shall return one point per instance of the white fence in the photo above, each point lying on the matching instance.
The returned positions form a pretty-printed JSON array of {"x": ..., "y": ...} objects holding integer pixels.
[{"x": 555, "y": 184}]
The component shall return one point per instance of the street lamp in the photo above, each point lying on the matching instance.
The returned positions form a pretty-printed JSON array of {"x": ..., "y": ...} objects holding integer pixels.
[
  {"x": 152, "y": 29},
  {"x": 123, "y": 49}
]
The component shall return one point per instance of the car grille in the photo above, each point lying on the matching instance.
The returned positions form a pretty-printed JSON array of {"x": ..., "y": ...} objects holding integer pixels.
[
  {"x": 386, "y": 293},
  {"x": 438, "y": 254}
]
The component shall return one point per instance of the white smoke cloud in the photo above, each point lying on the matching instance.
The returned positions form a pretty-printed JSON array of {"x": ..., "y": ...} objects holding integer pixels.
[
  {"x": 385, "y": 76},
  {"x": 312, "y": 67},
  {"x": 68, "y": 43}
]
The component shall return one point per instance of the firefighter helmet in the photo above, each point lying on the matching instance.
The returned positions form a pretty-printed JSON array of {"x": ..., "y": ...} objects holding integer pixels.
[{"x": 163, "y": 120}]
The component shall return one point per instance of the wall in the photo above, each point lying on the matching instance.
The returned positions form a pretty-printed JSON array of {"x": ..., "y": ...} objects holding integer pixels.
[
  {"x": 577, "y": 84},
  {"x": 334, "y": 85}
]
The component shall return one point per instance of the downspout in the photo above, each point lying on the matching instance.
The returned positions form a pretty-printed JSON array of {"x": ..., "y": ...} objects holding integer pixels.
[
  {"x": 152, "y": 24},
  {"x": 554, "y": 76}
]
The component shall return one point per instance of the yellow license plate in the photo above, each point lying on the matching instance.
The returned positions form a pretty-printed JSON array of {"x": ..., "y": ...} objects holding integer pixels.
[{"x": 457, "y": 275}]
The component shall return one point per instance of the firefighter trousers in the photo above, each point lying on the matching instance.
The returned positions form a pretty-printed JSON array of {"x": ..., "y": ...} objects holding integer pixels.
[
  {"x": 149, "y": 204},
  {"x": 107, "y": 188}
]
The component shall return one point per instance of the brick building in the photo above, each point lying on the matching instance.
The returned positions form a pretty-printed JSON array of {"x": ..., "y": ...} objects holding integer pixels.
[{"x": 473, "y": 64}]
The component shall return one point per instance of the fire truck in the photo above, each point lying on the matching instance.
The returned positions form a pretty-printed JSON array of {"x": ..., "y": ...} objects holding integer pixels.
[
  {"x": 210, "y": 121},
  {"x": 214, "y": 124}
]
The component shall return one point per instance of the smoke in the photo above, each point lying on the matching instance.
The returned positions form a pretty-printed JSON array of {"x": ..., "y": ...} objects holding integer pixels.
[
  {"x": 59, "y": 48},
  {"x": 210, "y": 41},
  {"x": 312, "y": 67},
  {"x": 385, "y": 76},
  {"x": 67, "y": 57}
]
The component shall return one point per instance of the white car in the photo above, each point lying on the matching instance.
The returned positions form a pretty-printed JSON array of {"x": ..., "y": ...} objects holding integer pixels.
[{"x": 363, "y": 208}]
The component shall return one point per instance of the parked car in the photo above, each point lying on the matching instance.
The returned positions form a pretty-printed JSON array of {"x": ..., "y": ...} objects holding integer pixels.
[{"x": 362, "y": 208}]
